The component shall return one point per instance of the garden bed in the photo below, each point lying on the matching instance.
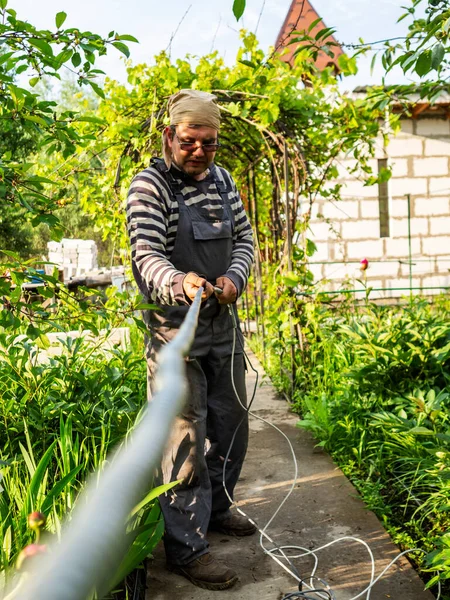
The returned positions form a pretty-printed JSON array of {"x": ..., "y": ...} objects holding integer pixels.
[{"x": 373, "y": 385}]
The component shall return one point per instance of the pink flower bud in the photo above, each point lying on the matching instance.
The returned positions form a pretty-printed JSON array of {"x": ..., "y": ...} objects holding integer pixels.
[
  {"x": 363, "y": 264},
  {"x": 28, "y": 553},
  {"x": 36, "y": 520}
]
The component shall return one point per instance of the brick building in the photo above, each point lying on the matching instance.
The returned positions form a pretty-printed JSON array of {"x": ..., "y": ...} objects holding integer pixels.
[
  {"x": 300, "y": 17},
  {"x": 372, "y": 221}
]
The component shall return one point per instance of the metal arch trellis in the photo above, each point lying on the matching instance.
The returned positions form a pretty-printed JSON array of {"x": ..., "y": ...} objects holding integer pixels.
[{"x": 271, "y": 156}]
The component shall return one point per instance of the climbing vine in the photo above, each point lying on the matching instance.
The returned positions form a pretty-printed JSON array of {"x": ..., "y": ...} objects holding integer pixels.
[{"x": 270, "y": 111}]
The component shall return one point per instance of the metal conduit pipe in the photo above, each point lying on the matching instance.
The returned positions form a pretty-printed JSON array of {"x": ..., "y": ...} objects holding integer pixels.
[{"x": 93, "y": 543}]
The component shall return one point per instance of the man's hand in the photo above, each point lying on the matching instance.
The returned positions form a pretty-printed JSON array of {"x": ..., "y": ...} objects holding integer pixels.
[
  {"x": 229, "y": 294},
  {"x": 192, "y": 282}
]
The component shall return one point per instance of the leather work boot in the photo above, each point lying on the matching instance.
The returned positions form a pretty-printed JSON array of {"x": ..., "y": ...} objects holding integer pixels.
[
  {"x": 233, "y": 525},
  {"x": 206, "y": 572}
]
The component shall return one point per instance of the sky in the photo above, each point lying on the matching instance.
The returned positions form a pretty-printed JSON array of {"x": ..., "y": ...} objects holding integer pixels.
[{"x": 198, "y": 26}]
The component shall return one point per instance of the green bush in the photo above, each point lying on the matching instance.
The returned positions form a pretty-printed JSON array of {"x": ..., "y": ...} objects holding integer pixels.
[{"x": 373, "y": 385}]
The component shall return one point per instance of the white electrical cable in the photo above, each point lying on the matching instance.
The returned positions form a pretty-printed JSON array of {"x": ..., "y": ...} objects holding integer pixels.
[{"x": 291, "y": 569}]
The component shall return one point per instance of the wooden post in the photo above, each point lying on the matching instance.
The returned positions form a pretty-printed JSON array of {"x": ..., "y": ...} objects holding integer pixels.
[{"x": 289, "y": 262}]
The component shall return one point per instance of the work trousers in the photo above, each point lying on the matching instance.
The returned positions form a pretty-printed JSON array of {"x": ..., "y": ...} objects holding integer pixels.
[{"x": 195, "y": 453}]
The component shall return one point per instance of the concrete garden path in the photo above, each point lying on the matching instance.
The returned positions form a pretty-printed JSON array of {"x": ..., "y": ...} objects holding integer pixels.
[{"x": 324, "y": 506}]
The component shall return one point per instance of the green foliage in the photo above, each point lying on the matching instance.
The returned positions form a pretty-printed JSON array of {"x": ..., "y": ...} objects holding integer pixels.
[
  {"x": 28, "y": 50},
  {"x": 238, "y": 8},
  {"x": 64, "y": 412},
  {"x": 262, "y": 105},
  {"x": 61, "y": 417},
  {"x": 424, "y": 51},
  {"x": 373, "y": 385}
]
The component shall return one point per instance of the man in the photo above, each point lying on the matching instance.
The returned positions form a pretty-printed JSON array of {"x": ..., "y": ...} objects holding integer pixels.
[{"x": 188, "y": 229}]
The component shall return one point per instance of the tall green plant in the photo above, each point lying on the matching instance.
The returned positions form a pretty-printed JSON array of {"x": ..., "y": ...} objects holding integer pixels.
[{"x": 372, "y": 384}]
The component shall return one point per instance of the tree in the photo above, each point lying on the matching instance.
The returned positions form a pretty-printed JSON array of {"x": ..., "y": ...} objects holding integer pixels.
[{"x": 26, "y": 49}]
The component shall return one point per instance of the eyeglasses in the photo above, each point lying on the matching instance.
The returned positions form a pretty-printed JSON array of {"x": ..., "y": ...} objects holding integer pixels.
[{"x": 191, "y": 146}]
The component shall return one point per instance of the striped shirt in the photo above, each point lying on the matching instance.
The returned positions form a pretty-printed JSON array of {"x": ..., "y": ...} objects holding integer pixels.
[{"x": 152, "y": 221}]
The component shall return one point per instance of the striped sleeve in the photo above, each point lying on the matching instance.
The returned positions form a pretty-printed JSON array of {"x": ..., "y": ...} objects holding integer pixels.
[
  {"x": 243, "y": 253},
  {"x": 148, "y": 223}
]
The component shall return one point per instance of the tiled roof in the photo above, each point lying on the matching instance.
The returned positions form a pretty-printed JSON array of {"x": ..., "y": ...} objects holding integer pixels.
[{"x": 299, "y": 18}]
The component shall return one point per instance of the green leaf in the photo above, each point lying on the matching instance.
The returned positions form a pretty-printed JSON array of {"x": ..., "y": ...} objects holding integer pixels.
[
  {"x": 89, "y": 119},
  {"x": 37, "y": 479},
  {"x": 76, "y": 59},
  {"x": 41, "y": 45},
  {"x": 323, "y": 33},
  {"x": 239, "y": 82},
  {"x": 3, "y": 4},
  {"x": 248, "y": 63},
  {"x": 97, "y": 89},
  {"x": 238, "y": 8},
  {"x": 310, "y": 247},
  {"x": 63, "y": 56},
  {"x": 58, "y": 488},
  {"x": 60, "y": 18},
  {"x": 312, "y": 25},
  {"x": 154, "y": 493},
  {"x": 5, "y": 57},
  {"x": 437, "y": 56},
  {"x": 122, "y": 48},
  {"x": 146, "y": 306},
  {"x": 423, "y": 64},
  {"x": 291, "y": 279},
  {"x": 127, "y": 38},
  {"x": 143, "y": 539},
  {"x": 35, "y": 118}
]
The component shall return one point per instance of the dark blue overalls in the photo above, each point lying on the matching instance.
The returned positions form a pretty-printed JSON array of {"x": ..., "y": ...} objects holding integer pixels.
[{"x": 201, "y": 434}]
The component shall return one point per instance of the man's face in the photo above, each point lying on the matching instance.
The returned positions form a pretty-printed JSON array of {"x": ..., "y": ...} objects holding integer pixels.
[{"x": 193, "y": 161}]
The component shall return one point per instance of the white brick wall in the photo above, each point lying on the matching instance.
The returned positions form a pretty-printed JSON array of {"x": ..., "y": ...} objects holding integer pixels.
[
  {"x": 431, "y": 206},
  {"x": 433, "y": 246},
  {"x": 320, "y": 230},
  {"x": 334, "y": 271},
  {"x": 406, "y": 125},
  {"x": 421, "y": 168},
  {"x": 364, "y": 249},
  {"x": 398, "y": 248},
  {"x": 383, "y": 269},
  {"x": 366, "y": 229},
  {"x": 399, "y": 207},
  {"x": 369, "y": 209},
  {"x": 403, "y": 284},
  {"x": 405, "y": 146},
  {"x": 436, "y": 280},
  {"x": 342, "y": 210},
  {"x": 428, "y": 127},
  {"x": 430, "y": 166},
  {"x": 440, "y": 185},
  {"x": 408, "y": 185},
  {"x": 437, "y": 148},
  {"x": 440, "y": 226},
  {"x": 419, "y": 267},
  {"x": 316, "y": 208},
  {"x": 354, "y": 187},
  {"x": 322, "y": 252},
  {"x": 316, "y": 270},
  {"x": 399, "y": 167},
  {"x": 345, "y": 167},
  {"x": 399, "y": 227}
]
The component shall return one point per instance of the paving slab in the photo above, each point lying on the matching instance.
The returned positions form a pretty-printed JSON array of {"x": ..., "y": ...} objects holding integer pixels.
[{"x": 323, "y": 507}]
